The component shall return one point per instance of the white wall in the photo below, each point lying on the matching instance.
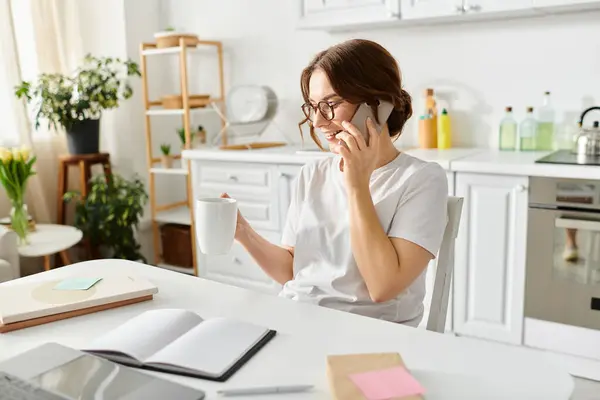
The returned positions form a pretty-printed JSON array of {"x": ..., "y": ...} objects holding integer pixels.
[
  {"x": 117, "y": 28},
  {"x": 477, "y": 68}
]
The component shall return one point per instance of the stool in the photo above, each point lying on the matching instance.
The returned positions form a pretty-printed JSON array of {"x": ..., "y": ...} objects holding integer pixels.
[{"x": 85, "y": 163}]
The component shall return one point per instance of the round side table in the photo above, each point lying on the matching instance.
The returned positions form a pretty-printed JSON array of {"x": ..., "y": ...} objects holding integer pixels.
[{"x": 50, "y": 239}]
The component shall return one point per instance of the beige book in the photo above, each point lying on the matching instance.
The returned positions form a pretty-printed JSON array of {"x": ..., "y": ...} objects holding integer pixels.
[
  {"x": 27, "y": 301},
  {"x": 339, "y": 367}
]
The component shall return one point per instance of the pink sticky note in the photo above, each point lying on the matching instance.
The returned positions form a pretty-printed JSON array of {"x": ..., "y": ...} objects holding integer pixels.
[{"x": 387, "y": 383}]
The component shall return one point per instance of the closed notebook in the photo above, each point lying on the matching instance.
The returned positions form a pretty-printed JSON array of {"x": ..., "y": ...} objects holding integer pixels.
[
  {"x": 181, "y": 342},
  {"x": 340, "y": 367},
  {"x": 27, "y": 301}
]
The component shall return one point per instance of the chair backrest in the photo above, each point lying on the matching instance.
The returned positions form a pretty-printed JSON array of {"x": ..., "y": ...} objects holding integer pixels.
[
  {"x": 436, "y": 320},
  {"x": 9, "y": 253}
]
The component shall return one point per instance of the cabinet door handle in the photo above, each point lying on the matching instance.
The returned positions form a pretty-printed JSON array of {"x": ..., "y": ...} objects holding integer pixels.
[
  {"x": 236, "y": 260},
  {"x": 472, "y": 7},
  {"x": 521, "y": 188},
  {"x": 232, "y": 177},
  {"x": 461, "y": 9}
]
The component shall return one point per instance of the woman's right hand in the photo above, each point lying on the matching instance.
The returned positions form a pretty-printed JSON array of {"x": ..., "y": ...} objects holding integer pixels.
[{"x": 242, "y": 226}]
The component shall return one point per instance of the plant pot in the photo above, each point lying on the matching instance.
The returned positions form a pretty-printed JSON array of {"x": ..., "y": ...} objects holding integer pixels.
[
  {"x": 167, "y": 161},
  {"x": 84, "y": 137}
]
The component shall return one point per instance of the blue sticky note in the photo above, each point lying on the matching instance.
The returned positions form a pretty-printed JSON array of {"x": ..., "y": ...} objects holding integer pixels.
[{"x": 76, "y": 283}]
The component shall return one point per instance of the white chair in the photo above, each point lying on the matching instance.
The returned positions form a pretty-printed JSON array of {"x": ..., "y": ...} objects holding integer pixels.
[
  {"x": 9, "y": 255},
  {"x": 436, "y": 320}
]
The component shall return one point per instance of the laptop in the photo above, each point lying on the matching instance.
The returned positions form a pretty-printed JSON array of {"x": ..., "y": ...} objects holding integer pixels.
[{"x": 55, "y": 372}]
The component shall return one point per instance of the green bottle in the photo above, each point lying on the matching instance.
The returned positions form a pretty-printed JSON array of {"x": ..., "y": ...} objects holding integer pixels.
[
  {"x": 544, "y": 137},
  {"x": 527, "y": 131},
  {"x": 508, "y": 132}
]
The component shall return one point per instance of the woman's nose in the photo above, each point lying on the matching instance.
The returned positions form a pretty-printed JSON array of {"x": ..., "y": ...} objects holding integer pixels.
[{"x": 320, "y": 121}]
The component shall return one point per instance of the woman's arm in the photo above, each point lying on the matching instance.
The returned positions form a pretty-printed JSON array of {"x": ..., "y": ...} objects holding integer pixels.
[
  {"x": 390, "y": 261},
  {"x": 275, "y": 260},
  {"x": 388, "y": 265}
]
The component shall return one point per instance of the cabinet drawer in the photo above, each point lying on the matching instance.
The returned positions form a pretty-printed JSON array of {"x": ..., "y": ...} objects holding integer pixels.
[
  {"x": 239, "y": 269},
  {"x": 260, "y": 213},
  {"x": 241, "y": 174}
]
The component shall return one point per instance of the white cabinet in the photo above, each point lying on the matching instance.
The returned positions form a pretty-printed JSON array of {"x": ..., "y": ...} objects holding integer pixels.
[
  {"x": 287, "y": 175},
  {"x": 346, "y": 15},
  {"x": 419, "y": 9},
  {"x": 450, "y": 179},
  {"x": 263, "y": 192},
  {"x": 489, "y": 271},
  {"x": 497, "y": 6},
  {"x": 332, "y": 13},
  {"x": 566, "y": 5},
  {"x": 461, "y": 9},
  {"x": 239, "y": 269}
]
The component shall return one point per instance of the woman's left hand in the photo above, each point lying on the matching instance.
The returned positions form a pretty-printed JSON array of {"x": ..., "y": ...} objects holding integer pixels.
[{"x": 359, "y": 159}]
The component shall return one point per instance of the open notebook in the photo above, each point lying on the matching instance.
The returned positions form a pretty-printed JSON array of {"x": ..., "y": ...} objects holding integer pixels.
[{"x": 181, "y": 342}]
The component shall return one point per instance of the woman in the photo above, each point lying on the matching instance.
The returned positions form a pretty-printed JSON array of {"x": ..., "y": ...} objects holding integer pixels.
[{"x": 362, "y": 226}]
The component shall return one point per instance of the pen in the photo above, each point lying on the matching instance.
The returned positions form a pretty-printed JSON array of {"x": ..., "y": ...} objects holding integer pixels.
[{"x": 264, "y": 390}]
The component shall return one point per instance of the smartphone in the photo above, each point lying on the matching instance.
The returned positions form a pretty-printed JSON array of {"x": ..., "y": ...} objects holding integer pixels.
[{"x": 364, "y": 111}]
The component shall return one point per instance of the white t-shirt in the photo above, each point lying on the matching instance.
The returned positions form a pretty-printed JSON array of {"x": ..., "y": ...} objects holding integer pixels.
[{"x": 410, "y": 197}]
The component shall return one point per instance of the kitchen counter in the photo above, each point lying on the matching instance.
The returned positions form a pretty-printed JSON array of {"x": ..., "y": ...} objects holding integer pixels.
[
  {"x": 296, "y": 155},
  {"x": 478, "y": 160},
  {"x": 283, "y": 155},
  {"x": 520, "y": 163}
]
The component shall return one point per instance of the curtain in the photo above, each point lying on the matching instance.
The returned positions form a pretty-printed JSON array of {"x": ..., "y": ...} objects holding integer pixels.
[{"x": 39, "y": 36}]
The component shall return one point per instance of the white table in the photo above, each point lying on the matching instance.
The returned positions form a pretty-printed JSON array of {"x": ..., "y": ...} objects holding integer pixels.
[
  {"x": 449, "y": 367},
  {"x": 48, "y": 239}
]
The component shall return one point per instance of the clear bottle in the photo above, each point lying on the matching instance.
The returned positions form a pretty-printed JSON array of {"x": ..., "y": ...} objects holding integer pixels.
[
  {"x": 508, "y": 131},
  {"x": 544, "y": 137},
  {"x": 527, "y": 131}
]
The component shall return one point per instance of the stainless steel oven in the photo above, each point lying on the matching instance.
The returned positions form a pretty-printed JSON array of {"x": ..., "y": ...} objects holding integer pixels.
[{"x": 563, "y": 252}]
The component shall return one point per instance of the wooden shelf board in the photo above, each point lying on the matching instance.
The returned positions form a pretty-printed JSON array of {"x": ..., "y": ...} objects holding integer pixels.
[
  {"x": 178, "y": 111},
  {"x": 177, "y": 49},
  {"x": 169, "y": 171},
  {"x": 178, "y": 215}
]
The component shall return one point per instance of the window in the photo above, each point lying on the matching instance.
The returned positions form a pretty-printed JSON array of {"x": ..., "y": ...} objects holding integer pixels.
[
  {"x": 17, "y": 61},
  {"x": 8, "y": 131},
  {"x": 9, "y": 135}
]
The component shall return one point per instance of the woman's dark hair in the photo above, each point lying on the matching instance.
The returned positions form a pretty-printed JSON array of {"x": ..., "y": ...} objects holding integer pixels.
[{"x": 361, "y": 71}]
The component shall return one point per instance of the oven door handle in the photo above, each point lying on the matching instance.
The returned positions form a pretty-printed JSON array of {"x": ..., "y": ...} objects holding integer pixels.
[{"x": 581, "y": 224}]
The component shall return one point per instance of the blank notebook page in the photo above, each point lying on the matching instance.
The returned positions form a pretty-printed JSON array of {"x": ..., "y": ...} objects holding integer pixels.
[
  {"x": 147, "y": 333},
  {"x": 212, "y": 347}
]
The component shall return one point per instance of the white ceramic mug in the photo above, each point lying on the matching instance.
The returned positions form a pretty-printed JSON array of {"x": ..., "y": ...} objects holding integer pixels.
[{"x": 216, "y": 219}]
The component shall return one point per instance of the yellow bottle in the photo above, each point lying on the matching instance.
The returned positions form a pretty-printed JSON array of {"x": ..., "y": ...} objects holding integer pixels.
[{"x": 444, "y": 140}]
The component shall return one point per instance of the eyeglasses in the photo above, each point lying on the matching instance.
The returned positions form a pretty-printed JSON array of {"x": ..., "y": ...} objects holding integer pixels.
[{"x": 325, "y": 108}]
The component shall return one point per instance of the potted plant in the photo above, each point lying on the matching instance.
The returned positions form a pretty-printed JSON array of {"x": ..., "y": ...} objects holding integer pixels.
[
  {"x": 166, "y": 158},
  {"x": 110, "y": 214},
  {"x": 181, "y": 134},
  {"x": 75, "y": 103},
  {"x": 16, "y": 167}
]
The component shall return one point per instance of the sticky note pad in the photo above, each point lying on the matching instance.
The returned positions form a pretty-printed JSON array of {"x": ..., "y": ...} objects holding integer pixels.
[
  {"x": 387, "y": 383},
  {"x": 76, "y": 283}
]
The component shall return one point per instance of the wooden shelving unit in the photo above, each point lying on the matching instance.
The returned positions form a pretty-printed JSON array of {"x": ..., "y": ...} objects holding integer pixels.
[{"x": 181, "y": 212}]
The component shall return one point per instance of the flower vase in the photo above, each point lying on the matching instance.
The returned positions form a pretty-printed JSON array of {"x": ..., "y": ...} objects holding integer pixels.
[{"x": 19, "y": 221}]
